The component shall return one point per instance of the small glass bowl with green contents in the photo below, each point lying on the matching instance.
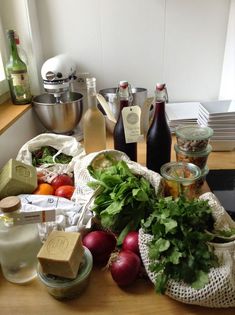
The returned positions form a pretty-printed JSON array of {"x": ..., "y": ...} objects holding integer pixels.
[
  {"x": 63, "y": 288},
  {"x": 180, "y": 179},
  {"x": 198, "y": 158},
  {"x": 193, "y": 138}
]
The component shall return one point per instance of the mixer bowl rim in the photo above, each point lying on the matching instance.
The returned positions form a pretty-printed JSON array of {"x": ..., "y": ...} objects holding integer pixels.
[
  {"x": 35, "y": 102},
  {"x": 114, "y": 89}
]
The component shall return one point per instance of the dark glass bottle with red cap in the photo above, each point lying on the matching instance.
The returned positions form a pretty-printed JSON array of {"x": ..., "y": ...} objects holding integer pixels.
[
  {"x": 124, "y": 97},
  {"x": 159, "y": 135}
]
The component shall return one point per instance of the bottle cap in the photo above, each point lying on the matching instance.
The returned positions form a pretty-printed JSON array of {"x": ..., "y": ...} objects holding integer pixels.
[
  {"x": 10, "y": 33},
  {"x": 91, "y": 82},
  {"x": 160, "y": 86},
  {"x": 10, "y": 204},
  {"x": 123, "y": 84}
]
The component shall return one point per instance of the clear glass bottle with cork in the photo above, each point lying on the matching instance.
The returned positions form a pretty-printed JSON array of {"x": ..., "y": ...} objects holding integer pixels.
[
  {"x": 94, "y": 129},
  {"x": 17, "y": 74},
  {"x": 19, "y": 244}
]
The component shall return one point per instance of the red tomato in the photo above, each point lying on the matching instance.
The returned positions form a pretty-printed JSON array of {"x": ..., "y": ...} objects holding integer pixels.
[
  {"x": 65, "y": 191},
  {"x": 61, "y": 180}
]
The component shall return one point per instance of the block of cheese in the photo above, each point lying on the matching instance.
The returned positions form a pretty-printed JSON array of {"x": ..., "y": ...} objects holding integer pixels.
[
  {"x": 17, "y": 178},
  {"x": 61, "y": 254}
]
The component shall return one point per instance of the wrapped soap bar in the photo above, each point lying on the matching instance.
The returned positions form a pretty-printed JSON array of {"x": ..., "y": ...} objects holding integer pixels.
[
  {"x": 17, "y": 178},
  {"x": 61, "y": 254}
]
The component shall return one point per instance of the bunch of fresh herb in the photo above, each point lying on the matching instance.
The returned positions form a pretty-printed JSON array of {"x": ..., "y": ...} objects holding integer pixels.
[
  {"x": 45, "y": 155},
  {"x": 125, "y": 198},
  {"x": 179, "y": 247}
]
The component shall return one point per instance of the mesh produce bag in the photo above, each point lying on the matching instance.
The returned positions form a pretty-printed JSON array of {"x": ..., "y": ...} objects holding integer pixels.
[
  {"x": 83, "y": 193},
  {"x": 64, "y": 144},
  {"x": 220, "y": 290}
]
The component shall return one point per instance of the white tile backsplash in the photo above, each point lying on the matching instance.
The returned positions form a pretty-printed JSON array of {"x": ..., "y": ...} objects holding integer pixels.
[{"x": 180, "y": 42}]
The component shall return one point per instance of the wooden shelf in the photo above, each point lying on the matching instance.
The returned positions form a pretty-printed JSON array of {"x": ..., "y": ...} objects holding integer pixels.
[{"x": 9, "y": 113}]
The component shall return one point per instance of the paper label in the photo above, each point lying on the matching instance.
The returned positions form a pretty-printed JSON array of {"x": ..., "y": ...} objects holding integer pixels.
[
  {"x": 29, "y": 217},
  {"x": 20, "y": 79},
  {"x": 131, "y": 121}
]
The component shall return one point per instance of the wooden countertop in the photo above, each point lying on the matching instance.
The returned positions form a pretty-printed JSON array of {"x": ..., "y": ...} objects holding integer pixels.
[
  {"x": 103, "y": 296},
  {"x": 9, "y": 113}
]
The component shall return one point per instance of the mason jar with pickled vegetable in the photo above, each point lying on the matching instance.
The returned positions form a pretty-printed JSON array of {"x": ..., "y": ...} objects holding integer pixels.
[{"x": 180, "y": 179}]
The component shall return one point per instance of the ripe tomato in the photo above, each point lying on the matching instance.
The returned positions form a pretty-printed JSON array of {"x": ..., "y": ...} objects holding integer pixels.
[
  {"x": 65, "y": 191},
  {"x": 62, "y": 180},
  {"x": 44, "y": 189}
]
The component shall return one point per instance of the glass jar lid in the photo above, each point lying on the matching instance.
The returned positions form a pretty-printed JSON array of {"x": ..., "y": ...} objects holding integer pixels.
[
  {"x": 193, "y": 132},
  {"x": 205, "y": 152}
]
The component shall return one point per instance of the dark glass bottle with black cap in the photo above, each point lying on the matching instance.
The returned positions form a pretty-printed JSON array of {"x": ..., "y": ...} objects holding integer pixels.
[{"x": 159, "y": 135}]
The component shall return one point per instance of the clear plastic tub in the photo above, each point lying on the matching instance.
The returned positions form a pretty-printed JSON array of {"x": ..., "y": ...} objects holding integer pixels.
[
  {"x": 193, "y": 137},
  {"x": 180, "y": 179},
  {"x": 197, "y": 158},
  {"x": 63, "y": 288}
]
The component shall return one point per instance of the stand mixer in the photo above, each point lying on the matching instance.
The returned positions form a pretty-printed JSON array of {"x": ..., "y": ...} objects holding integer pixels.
[{"x": 60, "y": 109}]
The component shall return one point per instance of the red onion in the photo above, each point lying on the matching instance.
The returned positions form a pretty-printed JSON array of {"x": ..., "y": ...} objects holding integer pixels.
[
  {"x": 101, "y": 244},
  {"x": 125, "y": 268},
  {"x": 130, "y": 242}
]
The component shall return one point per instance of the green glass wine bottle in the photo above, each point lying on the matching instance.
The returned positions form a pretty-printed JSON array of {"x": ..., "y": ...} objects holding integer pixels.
[{"x": 17, "y": 75}]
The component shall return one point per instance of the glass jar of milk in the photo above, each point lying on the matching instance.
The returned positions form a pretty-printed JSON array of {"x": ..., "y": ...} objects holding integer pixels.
[{"x": 19, "y": 244}]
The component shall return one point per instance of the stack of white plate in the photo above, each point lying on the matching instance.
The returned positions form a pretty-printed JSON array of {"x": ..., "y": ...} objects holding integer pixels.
[
  {"x": 220, "y": 116},
  {"x": 182, "y": 114}
]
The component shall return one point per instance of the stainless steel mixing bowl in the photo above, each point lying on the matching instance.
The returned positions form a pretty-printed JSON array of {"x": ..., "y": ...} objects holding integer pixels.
[
  {"x": 139, "y": 97},
  {"x": 60, "y": 117}
]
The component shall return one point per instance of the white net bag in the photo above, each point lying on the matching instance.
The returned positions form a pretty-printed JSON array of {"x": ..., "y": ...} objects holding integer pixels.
[
  {"x": 81, "y": 174},
  {"x": 219, "y": 292},
  {"x": 62, "y": 143}
]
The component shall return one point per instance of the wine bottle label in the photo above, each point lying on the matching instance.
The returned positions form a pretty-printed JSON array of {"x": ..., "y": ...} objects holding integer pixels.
[
  {"x": 20, "y": 79},
  {"x": 131, "y": 121}
]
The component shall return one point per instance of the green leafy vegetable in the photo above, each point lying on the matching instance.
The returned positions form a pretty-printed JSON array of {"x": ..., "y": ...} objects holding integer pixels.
[
  {"x": 125, "y": 199},
  {"x": 179, "y": 247},
  {"x": 46, "y": 155}
]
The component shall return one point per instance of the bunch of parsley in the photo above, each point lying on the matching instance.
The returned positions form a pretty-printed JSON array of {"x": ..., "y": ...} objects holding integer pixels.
[
  {"x": 179, "y": 247},
  {"x": 125, "y": 198}
]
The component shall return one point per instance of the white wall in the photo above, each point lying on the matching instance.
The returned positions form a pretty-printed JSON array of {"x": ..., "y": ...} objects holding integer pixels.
[
  {"x": 180, "y": 42},
  {"x": 24, "y": 129}
]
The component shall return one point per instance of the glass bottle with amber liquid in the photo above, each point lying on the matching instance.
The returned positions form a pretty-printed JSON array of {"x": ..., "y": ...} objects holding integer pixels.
[
  {"x": 159, "y": 135},
  {"x": 17, "y": 74},
  {"x": 124, "y": 97},
  {"x": 94, "y": 130}
]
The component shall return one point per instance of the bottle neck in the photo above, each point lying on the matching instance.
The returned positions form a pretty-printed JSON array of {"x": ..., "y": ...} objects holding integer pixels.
[
  {"x": 91, "y": 93},
  {"x": 13, "y": 48},
  {"x": 124, "y": 103},
  {"x": 160, "y": 110}
]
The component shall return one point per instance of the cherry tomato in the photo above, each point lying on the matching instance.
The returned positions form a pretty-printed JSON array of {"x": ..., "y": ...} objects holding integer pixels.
[
  {"x": 61, "y": 180},
  {"x": 65, "y": 191}
]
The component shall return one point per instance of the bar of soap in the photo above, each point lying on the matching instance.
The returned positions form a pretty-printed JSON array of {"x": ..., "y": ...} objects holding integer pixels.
[
  {"x": 61, "y": 254},
  {"x": 17, "y": 178}
]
